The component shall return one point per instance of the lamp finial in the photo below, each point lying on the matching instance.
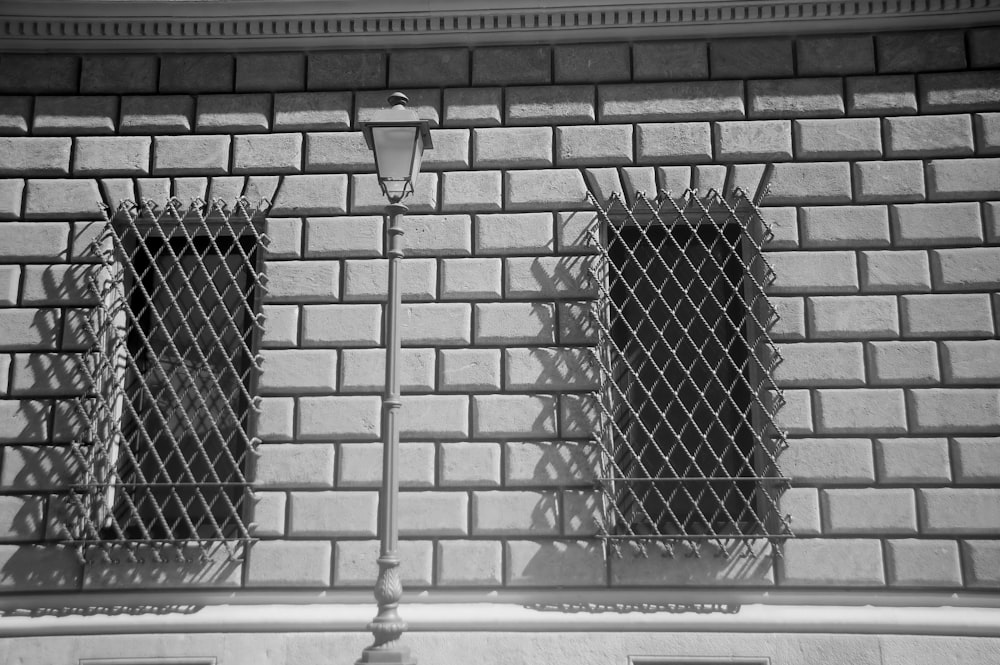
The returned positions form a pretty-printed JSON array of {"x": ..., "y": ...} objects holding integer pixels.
[{"x": 398, "y": 100}]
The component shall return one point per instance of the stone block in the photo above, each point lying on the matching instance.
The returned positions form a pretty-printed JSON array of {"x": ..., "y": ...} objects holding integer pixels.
[
  {"x": 294, "y": 465},
  {"x": 881, "y": 95},
  {"x": 282, "y": 329},
  {"x": 959, "y": 91},
  {"x": 435, "y": 324},
  {"x": 22, "y": 562},
  {"x": 267, "y": 514},
  {"x": 514, "y": 234},
  {"x": 761, "y": 140},
  {"x": 284, "y": 563},
  {"x": 553, "y": 368},
  {"x": 966, "y": 269},
  {"x": 897, "y": 181},
  {"x": 36, "y": 468},
  {"x": 119, "y": 74},
  {"x": 829, "y": 461},
  {"x": 674, "y": 142},
  {"x": 465, "y": 464},
  {"x": 39, "y": 73},
  {"x": 270, "y": 72},
  {"x": 298, "y": 372},
  {"x": 796, "y": 98},
  {"x": 801, "y": 506},
  {"x": 853, "y": 317},
  {"x": 271, "y": 153},
  {"x": 472, "y": 107},
  {"x": 23, "y": 421},
  {"x": 963, "y": 178},
  {"x": 342, "y": 325},
  {"x": 64, "y": 285},
  {"x": 670, "y": 60},
  {"x": 21, "y": 518},
  {"x": 470, "y": 563},
  {"x": 367, "y": 196},
  {"x": 360, "y": 464},
  {"x": 820, "y": 364},
  {"x": 62, "y": 199},
  {"x": 10, "y": 285},
  {"x": 598, "y": 145},
  {"x": 363, "y": 370},
  {"x": 439, "y": 67},
  {"x": 946, "y": 315},
  {"x": 903, "y": 363},
  {"x": 954, "y": 410},
  {"x": 343, "y": 237},
  {"x": 368, "y": 280},
  {"x": 510, "y": 147},
  {"x": 814, "y": 272},
  {"x": 971, "y": 362},
  {"x": 276, "y": 419},
  {"x": 15, "y": 115},
  {"x": 547, "y": 105},
  {"x": 434, "y": 514},
  {"x": 921, "y": 51},
  {"x": 895, "y": 272},
  {"x": 28, "y": 328},
  {"x": 959, "y": 511},
  {"x": 545, "y": 190},
  {"x": 338, "y": 152},
  {"x": 511, "y": 65},
  {"x": 751, "y": 58},
  {"x": 157, "y": 114},
  {"x": 469, "y": 370},
  {"x": 835, "y": 56},
  {"x": 923, "y": 563},
  {"x": 34, "y": 242},
  {"x": 509, "y": 416},
  {"x": 347, "y": 70},
  {"x": 471, "y": 279},
  {"x": 987, "y": 133},
  {"x": 929, "y": 136},
  {"x": 354, "y": 563},
  {"x": 515, "y": 513},
  {"x": 437, "y": 235},
  {"x": 550, "y": 463},
  {"x": 879, "y": 511},
  {"x": 197, "y": 72},
  {"x": 932, "y": 224},
  {"x": 111, "y": 156},
  {"x": 339, "y": 418},
  {"x": 977, "y": 460},
  {"x": 981, "y": 562},
  {"x": 233, "y": 113},
  {"x": 319, "y": 195},
  {"x": 842, "y": 138},
  {"x": 312, "y": 111},
  {"x": 860, "y": 411},
  {"x": 573, "y": 563},
  {"x": 591, "y": 63},
  {"x": 425, "y": 102},
  {"x": 471, "y": 191},
  {"x": 791, "y": 323},
  {"x": 549, "y": 277},
  {"x": 451, "y": 150},
  {"x": 194, "y": 155},
  {"x": 845, "y": 226},
  {"x": 671, "y": 102},
  {"x": 24, "y": 156},
  {"x": 845, "y": 562},
  {"x": 912, "y": 461},
  {"x": 303, "y": 281},
  {"x": 809, "y": 184}
]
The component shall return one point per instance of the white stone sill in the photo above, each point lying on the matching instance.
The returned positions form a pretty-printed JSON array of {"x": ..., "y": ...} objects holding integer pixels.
[{"x": 966, "y": 615}]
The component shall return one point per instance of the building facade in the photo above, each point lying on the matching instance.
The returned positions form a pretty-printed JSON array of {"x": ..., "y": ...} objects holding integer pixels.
[{"x": 700, "y": 333}]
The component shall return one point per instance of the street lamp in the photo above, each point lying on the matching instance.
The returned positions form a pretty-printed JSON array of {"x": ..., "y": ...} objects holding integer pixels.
[{"x": 398, "y": 138}]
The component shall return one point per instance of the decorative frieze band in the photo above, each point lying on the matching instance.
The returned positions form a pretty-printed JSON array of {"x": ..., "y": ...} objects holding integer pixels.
[{"x": 30, "y": 26}]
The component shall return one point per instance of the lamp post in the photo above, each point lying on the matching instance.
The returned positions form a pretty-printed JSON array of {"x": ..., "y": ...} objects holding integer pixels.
[{"x": 398, "y": 138}]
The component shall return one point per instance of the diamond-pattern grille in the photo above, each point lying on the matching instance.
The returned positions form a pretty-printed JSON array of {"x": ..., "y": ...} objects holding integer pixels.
[
  {"x": 686, "y": 402},
  {"x": 164, "y": 439}
]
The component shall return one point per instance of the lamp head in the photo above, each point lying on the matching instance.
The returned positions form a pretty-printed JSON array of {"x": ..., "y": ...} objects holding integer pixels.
[{"x": 398, "y": 137}]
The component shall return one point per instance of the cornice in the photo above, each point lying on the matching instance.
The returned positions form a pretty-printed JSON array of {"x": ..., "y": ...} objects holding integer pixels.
[{"x": 206, "y": 25}]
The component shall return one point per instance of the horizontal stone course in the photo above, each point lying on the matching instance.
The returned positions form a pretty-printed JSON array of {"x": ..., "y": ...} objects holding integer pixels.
[{"x": 671, "y": 102}]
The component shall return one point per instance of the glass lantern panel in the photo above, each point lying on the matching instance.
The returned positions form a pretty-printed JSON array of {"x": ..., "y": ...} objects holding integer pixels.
[{"x": 394, "y": 150}]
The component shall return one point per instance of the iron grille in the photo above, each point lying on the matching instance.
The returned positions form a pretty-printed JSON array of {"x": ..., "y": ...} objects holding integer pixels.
[
  {"x": 686, "y": 402},
  {"x": 171, "y": 373}
]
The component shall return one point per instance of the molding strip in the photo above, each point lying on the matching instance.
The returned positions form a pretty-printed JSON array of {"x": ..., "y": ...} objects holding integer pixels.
[{"x": 247, "y": 24}]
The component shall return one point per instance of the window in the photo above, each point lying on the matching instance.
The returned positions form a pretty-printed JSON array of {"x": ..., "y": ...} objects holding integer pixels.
[
  {"x": 686, "y": 400},
  {"x": 166, "y": 439}
]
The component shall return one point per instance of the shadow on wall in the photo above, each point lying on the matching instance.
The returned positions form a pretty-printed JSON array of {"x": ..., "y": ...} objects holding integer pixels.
[{"x": 645, "y": 608}]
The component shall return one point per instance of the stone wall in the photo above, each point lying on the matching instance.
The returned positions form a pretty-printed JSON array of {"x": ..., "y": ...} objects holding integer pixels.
[{"x": 884, "y": 204}]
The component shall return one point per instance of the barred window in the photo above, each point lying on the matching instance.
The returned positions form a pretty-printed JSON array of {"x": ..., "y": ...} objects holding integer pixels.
[
  {"x": 686, "y": 398},
  {"x": 171, "y": 375}
]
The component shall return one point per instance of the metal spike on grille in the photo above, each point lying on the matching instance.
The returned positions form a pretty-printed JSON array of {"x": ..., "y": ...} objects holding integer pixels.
[
  {"x": 686, "y": 403},
  {"x": 163, "y": 442}
]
